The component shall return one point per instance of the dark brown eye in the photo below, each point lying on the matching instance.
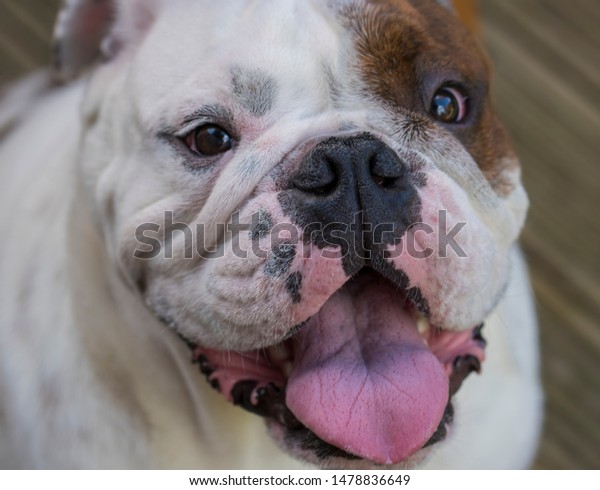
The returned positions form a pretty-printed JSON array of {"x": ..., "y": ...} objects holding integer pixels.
[
  {"x": 449, "y": 105},
  {"x": 209, "y": 140}
]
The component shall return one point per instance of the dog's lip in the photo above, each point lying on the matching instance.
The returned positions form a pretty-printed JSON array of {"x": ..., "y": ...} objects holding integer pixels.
[
  {"x": 257, "y": 381},
  {"x": 284, "y": 418},
  {"x": 268, "y": 401}
]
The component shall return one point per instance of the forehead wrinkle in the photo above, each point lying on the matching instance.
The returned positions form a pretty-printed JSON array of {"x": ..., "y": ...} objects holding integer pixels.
[{"x": 253, "y": 89}]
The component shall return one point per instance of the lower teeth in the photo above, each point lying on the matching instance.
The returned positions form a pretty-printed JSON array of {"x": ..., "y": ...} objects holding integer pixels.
[{"x": 423, "y": 328}]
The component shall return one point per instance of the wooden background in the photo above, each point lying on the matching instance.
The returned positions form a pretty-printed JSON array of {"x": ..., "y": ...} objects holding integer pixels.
[{"x": 547, "y": 90}]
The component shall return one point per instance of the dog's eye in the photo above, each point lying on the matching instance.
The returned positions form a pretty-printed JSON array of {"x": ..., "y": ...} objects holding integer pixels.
[
  {"x": 209, "y": 140},
  {"x": 449, "y": 105}
]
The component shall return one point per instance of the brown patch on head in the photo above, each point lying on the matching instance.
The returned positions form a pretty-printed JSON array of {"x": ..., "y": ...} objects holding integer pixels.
[{"x": 407, "y": 49}]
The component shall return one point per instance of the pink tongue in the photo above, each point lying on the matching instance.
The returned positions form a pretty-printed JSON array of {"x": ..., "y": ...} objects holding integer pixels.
[{"x": 363, "y": 379}]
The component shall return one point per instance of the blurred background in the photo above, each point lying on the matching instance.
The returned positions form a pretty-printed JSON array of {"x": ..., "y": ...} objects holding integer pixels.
[{"x": 547, "y": 90}]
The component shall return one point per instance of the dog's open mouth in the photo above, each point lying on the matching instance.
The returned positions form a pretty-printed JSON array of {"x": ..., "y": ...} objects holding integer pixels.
[{"x": 366, "y": 377}]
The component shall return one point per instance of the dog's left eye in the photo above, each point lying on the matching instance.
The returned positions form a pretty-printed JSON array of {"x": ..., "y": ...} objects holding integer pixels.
[
  {"x": 209, "y": 140},
  {"x": 449, "y": 105}
]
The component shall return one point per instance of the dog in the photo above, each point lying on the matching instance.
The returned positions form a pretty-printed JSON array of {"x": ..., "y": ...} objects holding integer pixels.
[{"x": 306, "y": 209}]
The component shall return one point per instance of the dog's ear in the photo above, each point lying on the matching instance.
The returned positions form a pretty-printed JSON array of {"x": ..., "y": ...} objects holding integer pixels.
[{"x": 89, "y": 29}]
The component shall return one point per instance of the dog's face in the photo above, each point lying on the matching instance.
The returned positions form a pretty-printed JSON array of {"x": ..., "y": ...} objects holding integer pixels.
[{"x": 318, "y": 197}]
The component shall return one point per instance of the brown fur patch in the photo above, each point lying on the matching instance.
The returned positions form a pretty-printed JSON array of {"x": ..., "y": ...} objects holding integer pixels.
[{"x": 407, "y": 49}]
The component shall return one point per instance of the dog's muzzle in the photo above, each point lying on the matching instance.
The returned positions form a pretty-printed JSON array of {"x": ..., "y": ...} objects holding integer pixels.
[
  {"x": 354, "y": 193},
  {"x": 367, "y": 376}
]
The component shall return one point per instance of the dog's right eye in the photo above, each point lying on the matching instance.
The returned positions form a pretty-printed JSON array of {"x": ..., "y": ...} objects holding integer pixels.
[{"x": 209, "y": 140}]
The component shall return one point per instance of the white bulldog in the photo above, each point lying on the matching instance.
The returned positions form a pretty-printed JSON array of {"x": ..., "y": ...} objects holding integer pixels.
[{"x": 313, "y": 196}]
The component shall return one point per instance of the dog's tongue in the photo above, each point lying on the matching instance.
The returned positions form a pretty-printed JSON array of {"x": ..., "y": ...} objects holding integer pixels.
[{"x": 363, "y": 379}]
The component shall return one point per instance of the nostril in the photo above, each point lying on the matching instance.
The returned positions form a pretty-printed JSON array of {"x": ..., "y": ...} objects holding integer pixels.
[
  {"x": 383, "y": 174},
  {"x": 385, "y": 182},
  {"x": 317, "y": 179}
]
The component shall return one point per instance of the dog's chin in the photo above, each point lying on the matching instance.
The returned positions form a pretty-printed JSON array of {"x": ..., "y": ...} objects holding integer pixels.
[{"x": 367, "y": 382}]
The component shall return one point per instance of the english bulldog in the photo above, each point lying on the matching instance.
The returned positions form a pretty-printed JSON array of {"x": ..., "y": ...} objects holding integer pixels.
[{"x": 263, "y": 234}]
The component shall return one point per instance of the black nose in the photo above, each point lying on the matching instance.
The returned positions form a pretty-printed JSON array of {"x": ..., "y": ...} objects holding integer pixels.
[
  {"x": 331, "y": 165},
  {"x": 357, "y": 191}
]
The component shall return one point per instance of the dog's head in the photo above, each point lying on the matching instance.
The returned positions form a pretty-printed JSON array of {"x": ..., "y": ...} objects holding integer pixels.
[{"x": 315, "y": 194}]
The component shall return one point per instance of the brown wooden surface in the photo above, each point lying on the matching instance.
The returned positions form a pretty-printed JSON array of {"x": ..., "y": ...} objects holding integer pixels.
[
  {"x": 547, "y": 56},
  {"x": 547, "y": 90}
]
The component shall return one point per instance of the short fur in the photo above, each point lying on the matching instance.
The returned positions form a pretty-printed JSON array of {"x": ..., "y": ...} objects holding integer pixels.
[{"x": 92, "y": 374}]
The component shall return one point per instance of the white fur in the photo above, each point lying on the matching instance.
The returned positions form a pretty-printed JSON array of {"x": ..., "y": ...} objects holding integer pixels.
[{"x": 89, "y": 377}]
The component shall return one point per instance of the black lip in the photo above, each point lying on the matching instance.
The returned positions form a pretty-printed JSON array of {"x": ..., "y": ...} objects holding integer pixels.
[
  {"x": 309, "y": 441},
  {"x": 462, "y": 367},
  {"x": 270, "y": 403},
  {"x": 477, "y": 335},
  {"x": 441, "y": 432}
]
